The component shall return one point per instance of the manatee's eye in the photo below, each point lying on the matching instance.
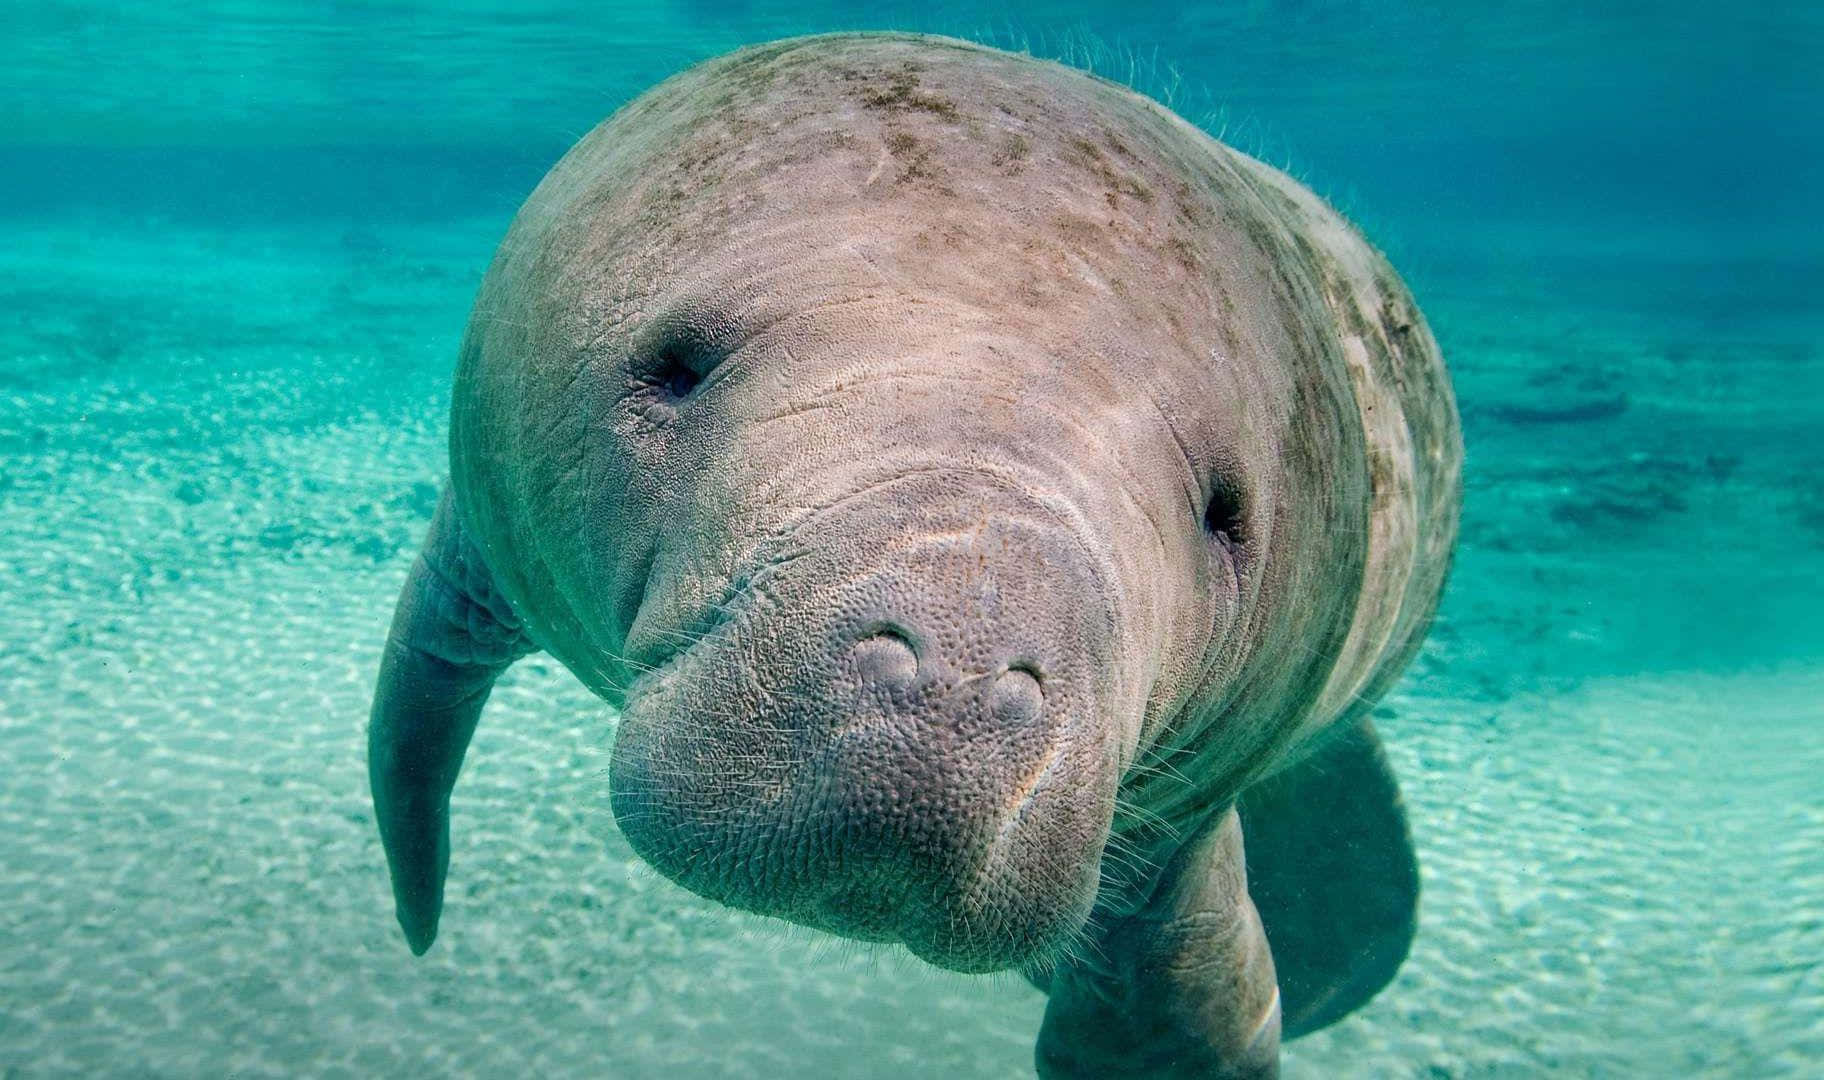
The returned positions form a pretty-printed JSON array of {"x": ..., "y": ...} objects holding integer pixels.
[
  {"x": 673, "y": 359},
  {"x": 674, "y": 376},
  {"x": 671, "y": 371},
  {"x": 1223, "y": 515}
]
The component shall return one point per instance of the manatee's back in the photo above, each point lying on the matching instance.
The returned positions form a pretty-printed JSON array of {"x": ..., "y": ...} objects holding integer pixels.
[
  {"x": 1413, "y": 442},
  {"x": 1330, "y": 862},
  {"x": 1373, "y": 525}
]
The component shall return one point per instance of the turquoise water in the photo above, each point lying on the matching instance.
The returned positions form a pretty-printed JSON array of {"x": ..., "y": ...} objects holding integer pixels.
[{"x": 240, "y": 242}]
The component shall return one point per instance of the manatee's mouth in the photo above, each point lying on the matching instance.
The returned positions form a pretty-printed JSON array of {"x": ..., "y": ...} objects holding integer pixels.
[
  {"x": 906, "y": 736},
  {"x": 748, "y": 795}
]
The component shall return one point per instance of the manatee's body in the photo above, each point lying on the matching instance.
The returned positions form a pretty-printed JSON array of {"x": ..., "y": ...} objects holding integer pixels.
[{"x": 973, "y": 484}]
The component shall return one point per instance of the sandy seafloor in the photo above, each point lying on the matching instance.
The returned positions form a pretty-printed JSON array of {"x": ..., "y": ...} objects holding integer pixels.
[{"x": 220, "y": 448}]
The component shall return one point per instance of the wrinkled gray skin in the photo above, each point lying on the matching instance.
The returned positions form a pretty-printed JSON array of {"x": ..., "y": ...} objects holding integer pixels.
[{"x": 969, "y": 480}]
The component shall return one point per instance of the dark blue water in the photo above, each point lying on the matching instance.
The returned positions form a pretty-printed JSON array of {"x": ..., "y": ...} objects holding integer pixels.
[{"x": 238, "y": 242}]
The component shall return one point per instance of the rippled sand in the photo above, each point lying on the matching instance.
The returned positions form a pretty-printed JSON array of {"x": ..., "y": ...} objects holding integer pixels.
[{"x": 212, "y": 489}]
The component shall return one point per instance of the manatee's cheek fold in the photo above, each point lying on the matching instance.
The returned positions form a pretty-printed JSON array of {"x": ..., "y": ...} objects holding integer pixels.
[{"x": 911, "y": 750}]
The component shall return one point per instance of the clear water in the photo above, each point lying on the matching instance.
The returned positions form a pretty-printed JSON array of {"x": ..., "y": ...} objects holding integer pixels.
[{"x": 238, "y": 242}]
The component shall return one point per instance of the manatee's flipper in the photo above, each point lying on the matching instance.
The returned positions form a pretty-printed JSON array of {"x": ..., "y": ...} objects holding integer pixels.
[
  {"x": 452, "y": 635},
  {"x": 1182, "y": 989},
  {"x": 1332, "y": 871}
]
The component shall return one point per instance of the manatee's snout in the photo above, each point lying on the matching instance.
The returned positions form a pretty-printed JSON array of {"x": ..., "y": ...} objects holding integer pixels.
[{"x": 900, "y": 734}]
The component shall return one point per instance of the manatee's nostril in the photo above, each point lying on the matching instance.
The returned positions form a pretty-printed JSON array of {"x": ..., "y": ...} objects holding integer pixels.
[
  {"x": 1016, "y": 697},
  {"x": 886, "y": 659}
]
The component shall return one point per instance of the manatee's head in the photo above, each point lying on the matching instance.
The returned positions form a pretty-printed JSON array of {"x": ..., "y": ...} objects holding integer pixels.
[{"x": 841, "y": 411}]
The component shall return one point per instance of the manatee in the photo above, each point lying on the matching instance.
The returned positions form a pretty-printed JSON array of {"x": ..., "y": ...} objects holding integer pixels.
[{"x": 992, "y": 506}]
